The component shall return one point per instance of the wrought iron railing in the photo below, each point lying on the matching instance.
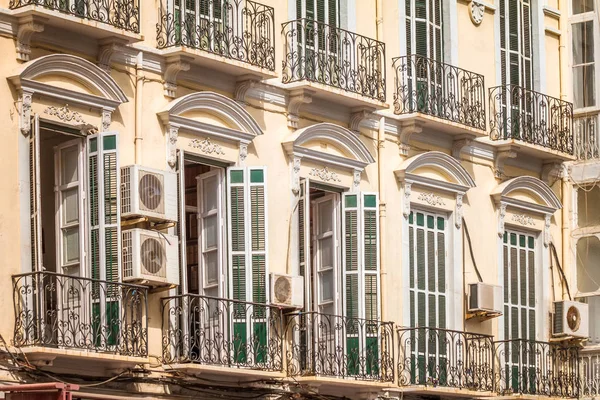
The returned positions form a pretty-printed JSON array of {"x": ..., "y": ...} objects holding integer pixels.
[
  {"x": 218, "y": 331},
  {"x": 335, "y": 57},
  {"x": 589, "y": 363},
  {"x": 531, "y": 117},
  {"x": 445, "y": 358},
  {"x": 441, "y": 90},
  {"x": 122, "y": 14},
  {"x": 587, "y": 141},
  {"x": 536, "y": 368},
  {"x": 54, "y": 310},
  {"x": 241, "y": 30},
  {"x": 342, "y": 347}
]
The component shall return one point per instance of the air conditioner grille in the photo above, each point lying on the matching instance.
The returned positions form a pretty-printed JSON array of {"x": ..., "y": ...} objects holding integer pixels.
[
  {"x": 282, "y": 290},
  {"x": 125, "y": 190},
  {"x": 153, "y": 257},
  {"x": 573, "y": 318},
  {"x": 151, "y": 192},
  {"x": 127, "y": 255}
]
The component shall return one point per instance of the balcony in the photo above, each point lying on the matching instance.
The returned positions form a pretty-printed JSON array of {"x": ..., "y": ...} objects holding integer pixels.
[
  {"x": 100, "y": 19},
  {"x": 444, "y": 97},
  {"x": 442, "y": 360},
  {"x": 590, "y": 372},
  {"x": 208, "y": 333},
  {"x": 530, "y": 367},
  {"x": 234, "y": 36},
  {"x": 339, "y": 65},
  {"x": 587, "y": 142},
  {"x": 536, "y": 124},
  {"x": 55, "y": 314},
  {"x": 340, "y": 347}
]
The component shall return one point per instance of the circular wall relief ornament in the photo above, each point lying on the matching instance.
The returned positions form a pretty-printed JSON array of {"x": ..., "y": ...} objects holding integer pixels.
[{"x": 477, "y": 10}]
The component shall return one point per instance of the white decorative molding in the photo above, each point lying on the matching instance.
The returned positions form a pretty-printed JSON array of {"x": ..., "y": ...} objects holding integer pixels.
[
  {"x": 551, "y": 171},
  {"x": 25, "y": 117},
  {"x": 547, "y": 220},
  {"x": 173, "y": 134},
  {"x": 501, "y": 157},
  {"x": 106, "y": 119},
  {"x": 458, "y": 214},
  {"x": 107, "y": 48},
  {"x": 64, "y": 114},
  {"x": 27, "y": 27},
  {"x": 501, "y": 216},
  {"x": 358, "y": 115},
  {"x": 356, "y": 178},
  {"x": 296, "y": 99},
  {"x": 459, "y": 144},
  {"x": 173, "y": 66},
  {"x": 406, "y": 206},
  {"x": 243, "y": 85},
  {"x": 206, "y": 146},
  {"x": 523, "y": 219},
  {"x": 296, "y": 175},
  {"x": 406, "y": 130},
  {"x": 432, "y": 199},
  {"x": 243, "y": 152},
  {"x": 476, "y": 11},
  {"x": 325, "y": 175}
]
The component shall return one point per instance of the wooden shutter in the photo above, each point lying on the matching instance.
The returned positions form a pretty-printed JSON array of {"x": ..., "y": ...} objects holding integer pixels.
[
  {"x": 181, "y": 223},
  {"x": 350, "y": 213},
  {"x": 104, "y": 206},
  {"x": 210, "y": 221},
  {"x": 236, "y": 210},
  {"x": 304, "y": 267},
  {"x": 35, "y": 195},
  {"x": 258, "y": 232},
  {"x": 370, "y": 254},
  {"x": 325, "y": 258}
]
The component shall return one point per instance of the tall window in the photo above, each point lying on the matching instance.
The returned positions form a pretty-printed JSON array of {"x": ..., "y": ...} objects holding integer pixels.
[
  {"x": 427, "y": 274},
  {"x": 325, "y": 11},
  {"x": 585, "y": 41},
  {"x": 515, "y": 43},
  {"x": 424, "y": 28},
  {"x": 519, "y": 286}
]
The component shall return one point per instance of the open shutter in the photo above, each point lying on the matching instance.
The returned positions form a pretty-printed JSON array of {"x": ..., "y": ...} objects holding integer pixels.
[
  {"x": 370, "y": 253},
  {"x": 351, "y": 254},
  {"x": 304, "y": 241},
  {"x": 181, "y": 223},
  {"x": 35, "y": 195},
  {"x": 105, "y": 232}
]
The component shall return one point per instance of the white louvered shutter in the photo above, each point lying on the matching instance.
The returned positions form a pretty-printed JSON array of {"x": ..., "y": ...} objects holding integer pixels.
[
  {"x": 35, "y": 195},
  {"x": 325, "y": 254}
]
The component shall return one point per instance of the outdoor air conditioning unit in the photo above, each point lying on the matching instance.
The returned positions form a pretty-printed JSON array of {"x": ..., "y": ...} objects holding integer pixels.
[
  {"x": 287, "y": 291},
  {"x": 485, "y": 298},
  {"x": 150, "y": 193},
  {"x": 571, "y": 318},
  {"x": 150, "y": 258}
]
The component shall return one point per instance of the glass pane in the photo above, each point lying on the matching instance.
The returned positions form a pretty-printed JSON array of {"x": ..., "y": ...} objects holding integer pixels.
[
  {"x": 326, "y": 256},
  {"x": 211, "y": 194},
  {"x": 325, "y": 217},
  {"x": 70, "y": 206},
  {"x": 582, "y": 6},
  {"x": 328, "y": 309},
  {"x": 211, "y": 268},
  {"x": 71, "y": 245},
  {"x": 210, "y": 232},
  {"x": 69, "y": 161},
  {"x": 326, "y": 285},
  {"x": 583, "y": 42},
  {"x": 583, "y": 86}
]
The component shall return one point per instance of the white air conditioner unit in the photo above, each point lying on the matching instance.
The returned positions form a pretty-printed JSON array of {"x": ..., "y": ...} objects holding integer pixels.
[
  {"x": 287, "y": 291},
  {"x": 150, "y": 258},
  {"x": 150, "y": 193},
  {"x": 485, "y": 298},
  {"x": 571, "y": 318}
]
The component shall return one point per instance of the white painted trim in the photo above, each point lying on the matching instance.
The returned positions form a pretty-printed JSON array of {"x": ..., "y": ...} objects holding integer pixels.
[
  {"x": 437, "y": 160},
  {"x": 528, "y": 184}
]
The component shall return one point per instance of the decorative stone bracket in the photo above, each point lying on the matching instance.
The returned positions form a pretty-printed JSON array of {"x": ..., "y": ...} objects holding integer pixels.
[
  {"x": 173, "y": 66},
  {"x": 107, "y": 48},
  {"x": 358, "y": 115},
  {"x": 297, "y": 99},
  {"x": 406, "y": 130},
  {"x": 501, "y": 156},
  {"x": 459, "y": 144},
  {"x": 243, "y": 85},
  {"x": 27, "y": 27},
  {"x": 552, "y": 171},
  {"x": 25, "y": 118}
]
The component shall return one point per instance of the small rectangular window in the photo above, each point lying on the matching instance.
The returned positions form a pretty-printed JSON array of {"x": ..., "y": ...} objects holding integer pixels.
[{"x": 582, "y": 6}]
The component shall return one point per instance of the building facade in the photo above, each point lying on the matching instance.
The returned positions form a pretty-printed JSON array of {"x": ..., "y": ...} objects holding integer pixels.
[{"x": 300, "y": 198}]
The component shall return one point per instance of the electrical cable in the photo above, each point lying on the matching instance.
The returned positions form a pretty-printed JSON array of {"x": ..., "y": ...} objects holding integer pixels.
[
  {"x": 471, "y": 250},
  {"x": 562, "y": 273}
]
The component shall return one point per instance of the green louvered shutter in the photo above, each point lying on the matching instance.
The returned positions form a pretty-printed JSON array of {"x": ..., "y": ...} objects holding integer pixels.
[
  {"x": 370, "y": 256},
  {"x": 351, "y": 268},
  {"x": 105, "y": 233}
]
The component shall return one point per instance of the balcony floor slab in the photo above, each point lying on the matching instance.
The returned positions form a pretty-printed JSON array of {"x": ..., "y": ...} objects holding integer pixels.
[
  {"x": 522, "y": 148},
  {"x": 430, "y": 123},
  {"x": 337, "y": 95},
  {"x": 224, "y": 372}
]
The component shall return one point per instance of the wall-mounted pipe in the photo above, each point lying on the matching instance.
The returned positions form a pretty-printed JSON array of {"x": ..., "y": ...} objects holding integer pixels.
[{"x": 139, "y": 98}]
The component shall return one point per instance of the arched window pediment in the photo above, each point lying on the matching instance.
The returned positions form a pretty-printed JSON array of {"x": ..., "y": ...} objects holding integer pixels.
[
  {"x": 95, "y": 87},
  {"x": 179, "y": 115},
  {"x": 439, "y": 172},
  {"x": 531, "y": 189}
]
